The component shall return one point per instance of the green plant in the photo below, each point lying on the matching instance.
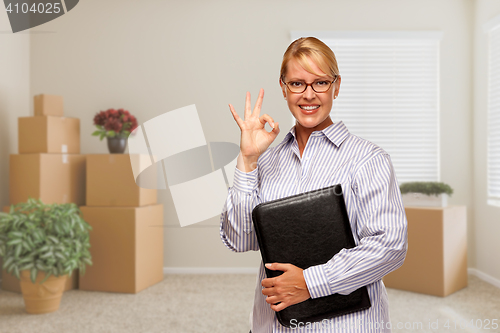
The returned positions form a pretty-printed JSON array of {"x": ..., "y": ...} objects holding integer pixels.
[
  {"x": 41, "y": 237},
  {"x": 429, "y": 188}
]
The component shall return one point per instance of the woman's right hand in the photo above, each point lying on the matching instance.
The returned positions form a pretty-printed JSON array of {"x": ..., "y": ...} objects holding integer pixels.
[{"x": 254, "y": 137}]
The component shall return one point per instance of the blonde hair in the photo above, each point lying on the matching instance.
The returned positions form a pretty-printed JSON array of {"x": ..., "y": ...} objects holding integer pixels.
[{"x": 319, "y": 52}]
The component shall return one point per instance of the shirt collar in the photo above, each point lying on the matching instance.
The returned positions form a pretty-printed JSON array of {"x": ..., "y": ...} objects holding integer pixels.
[{"x": 336, "y": 133}]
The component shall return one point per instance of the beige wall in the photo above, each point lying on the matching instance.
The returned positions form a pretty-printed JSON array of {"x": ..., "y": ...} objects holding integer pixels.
[
  {"x": 486, "y": 218},
  {"x": 154, "y": 56},
  {"x": 14, "y": 96}
]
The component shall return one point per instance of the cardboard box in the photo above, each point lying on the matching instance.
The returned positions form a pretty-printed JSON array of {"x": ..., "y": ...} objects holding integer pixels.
[
  {"x": 110, "y": 182},
  {"x": 436, "y": 261},
  {"x": 53, "y": 178},
  {"x": 126, "y": 245},
  {"x": 48, "y": 134},
  {"x": 11, "y": 283},
  {"x": 48, "y": 105}
]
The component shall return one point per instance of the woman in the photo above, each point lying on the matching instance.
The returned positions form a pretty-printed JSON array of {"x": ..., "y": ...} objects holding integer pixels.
[{"x": 316, "y": 153}]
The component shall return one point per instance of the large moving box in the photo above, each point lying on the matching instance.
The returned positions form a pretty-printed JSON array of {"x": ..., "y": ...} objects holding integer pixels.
[
  {"x": 110, "y": 182},
  {"x": 11, "y": 283},
  {"x": 49, "y": 105},
  {"x": 53, "y": 178},
  {"x": 48, "y": 134},
  {"x": 126, "y": 244},
  {"x": 436, "y": 261}
]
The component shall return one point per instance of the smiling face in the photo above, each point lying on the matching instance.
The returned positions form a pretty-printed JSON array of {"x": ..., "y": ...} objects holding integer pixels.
[{"x": 310, "y": 109}]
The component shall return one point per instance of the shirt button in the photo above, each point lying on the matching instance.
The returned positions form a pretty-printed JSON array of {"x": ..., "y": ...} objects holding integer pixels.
[{"x": 248, "y": 182}]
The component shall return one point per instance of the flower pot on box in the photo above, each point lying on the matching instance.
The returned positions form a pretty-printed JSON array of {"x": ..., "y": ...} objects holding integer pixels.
[
  {"x": 425, "y": 200},
  {"x": 42, "y": 298},
  {"x": 117, "y": 144}
]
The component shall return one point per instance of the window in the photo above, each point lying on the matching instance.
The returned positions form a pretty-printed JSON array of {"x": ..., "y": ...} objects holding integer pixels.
[
  {"x": 390, "y": 95},
  {"x": 493, "y": 150}
]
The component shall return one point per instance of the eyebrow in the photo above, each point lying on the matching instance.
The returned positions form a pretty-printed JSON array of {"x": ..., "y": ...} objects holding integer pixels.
[{"x": 320, "y": 79}]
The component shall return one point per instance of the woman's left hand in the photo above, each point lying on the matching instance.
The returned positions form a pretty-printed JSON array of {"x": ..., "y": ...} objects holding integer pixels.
[{"x": 287, "y": 289}]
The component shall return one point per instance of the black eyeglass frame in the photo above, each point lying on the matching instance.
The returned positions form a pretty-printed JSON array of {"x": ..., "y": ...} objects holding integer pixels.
[{"x": 310, "y": 84}]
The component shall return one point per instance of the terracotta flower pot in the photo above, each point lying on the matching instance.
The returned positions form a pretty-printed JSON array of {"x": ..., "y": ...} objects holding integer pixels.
[{"x": 42, "y": 298}]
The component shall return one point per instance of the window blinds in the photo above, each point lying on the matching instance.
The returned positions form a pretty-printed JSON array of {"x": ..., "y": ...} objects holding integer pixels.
[
  {"x": 389, "y": 95},
  {"x": 493, "y": 150}
]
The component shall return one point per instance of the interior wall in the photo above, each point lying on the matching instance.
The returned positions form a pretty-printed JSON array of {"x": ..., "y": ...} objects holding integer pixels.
[
  {"x": 486, "y": 217},
  {"x": 153, "y": 56},
  {"x": 14, "y": 96}
]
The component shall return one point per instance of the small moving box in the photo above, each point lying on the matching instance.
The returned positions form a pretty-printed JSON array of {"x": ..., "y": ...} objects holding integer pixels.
[
  {"x": 11, "y": 283},
  {"x": 48, "y": 105},
  {"x": 110, "y": 182},
  {"x": 53, "y": 178},
  {"x": 436, "y": 261},
  {"x": 126, "y": 244},
  {"x": 48, "y": 134}
]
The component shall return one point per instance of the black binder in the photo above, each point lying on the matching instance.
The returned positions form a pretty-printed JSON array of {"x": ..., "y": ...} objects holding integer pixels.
[{"x": 305, "y": 230}]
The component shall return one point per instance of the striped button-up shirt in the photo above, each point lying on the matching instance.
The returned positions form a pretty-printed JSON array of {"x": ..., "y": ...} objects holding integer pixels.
[{"x": 374, "y": 206}]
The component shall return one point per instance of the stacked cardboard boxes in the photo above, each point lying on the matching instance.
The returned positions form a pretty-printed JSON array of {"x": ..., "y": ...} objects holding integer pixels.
[
  {"x": 127, "y": 236},
  {"x": 49, "y": 165}
]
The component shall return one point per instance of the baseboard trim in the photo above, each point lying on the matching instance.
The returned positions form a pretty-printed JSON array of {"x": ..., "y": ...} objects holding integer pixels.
[
  {"x": 210, "y": 270},
  {"x": 485, "y": 277}
]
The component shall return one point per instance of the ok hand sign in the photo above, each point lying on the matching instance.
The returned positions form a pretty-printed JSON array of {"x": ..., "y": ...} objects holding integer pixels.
[{"x": 254, "y": 137}]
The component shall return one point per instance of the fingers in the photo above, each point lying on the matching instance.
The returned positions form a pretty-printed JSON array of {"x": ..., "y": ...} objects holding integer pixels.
[
  {"x": 248, "y": 106},
  {"x": 268, "y": 283},
  {"x": 272, "y": 299},
  {"x": 276, "y": 303},
  {"x": 235, "y": 115},
  {"x": 286, "y": 289},
  {"x": 258, "y": 104},
  {"x": 276, "y": 128},
  {"x": 278, "y": 267},
  {"x": 266, "y": 119},
  {"x": 279, "y": 306}
]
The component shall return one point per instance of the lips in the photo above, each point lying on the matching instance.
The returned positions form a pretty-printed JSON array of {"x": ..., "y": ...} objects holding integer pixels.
[{"x": 309, "y": 109}]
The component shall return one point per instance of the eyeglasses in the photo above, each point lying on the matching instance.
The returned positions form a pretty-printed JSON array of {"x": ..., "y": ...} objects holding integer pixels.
[{"x": 319, "y": 86}]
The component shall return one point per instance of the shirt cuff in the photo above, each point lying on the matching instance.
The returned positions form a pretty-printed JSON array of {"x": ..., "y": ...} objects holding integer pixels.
[
  {"x": 317, "y": 282},
  {"x": 245, "y": 181}
]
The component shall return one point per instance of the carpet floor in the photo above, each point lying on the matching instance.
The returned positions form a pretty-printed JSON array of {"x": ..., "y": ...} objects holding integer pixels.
[{"x": 222, "y": 303}]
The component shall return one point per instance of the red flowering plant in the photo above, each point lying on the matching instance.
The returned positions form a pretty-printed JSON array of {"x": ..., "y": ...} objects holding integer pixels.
[{"x": 112, "y": 123}]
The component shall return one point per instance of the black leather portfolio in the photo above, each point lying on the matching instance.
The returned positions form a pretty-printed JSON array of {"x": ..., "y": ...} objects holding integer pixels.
[{"x": 305, "y": 230}]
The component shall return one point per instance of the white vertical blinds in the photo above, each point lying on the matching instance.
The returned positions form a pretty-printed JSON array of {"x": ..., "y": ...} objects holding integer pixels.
[
  {"x": 389, "y": 95},
  {"x": 493, "y": 150}
]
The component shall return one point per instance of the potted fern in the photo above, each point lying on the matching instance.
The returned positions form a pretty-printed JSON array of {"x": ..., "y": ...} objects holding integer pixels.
[
  {"x": 41, "y": 245},
  {"x": 430, "y": 194}
]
